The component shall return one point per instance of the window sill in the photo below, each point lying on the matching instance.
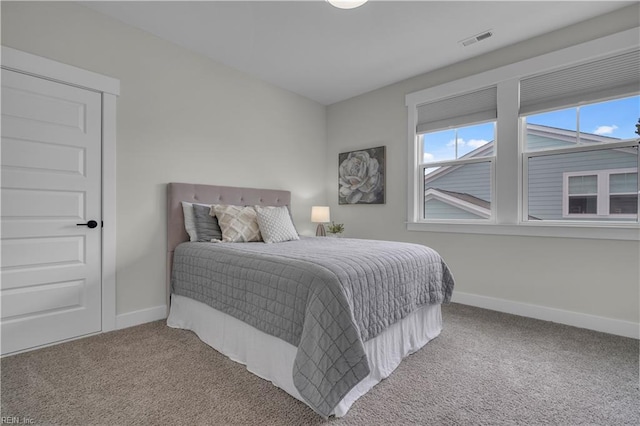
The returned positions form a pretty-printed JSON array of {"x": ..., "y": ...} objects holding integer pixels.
[{"x": 628, "y": 232}]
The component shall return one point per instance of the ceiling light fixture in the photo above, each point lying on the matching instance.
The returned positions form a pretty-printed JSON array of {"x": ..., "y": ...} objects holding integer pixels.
[{"x": 346, "y": 4}]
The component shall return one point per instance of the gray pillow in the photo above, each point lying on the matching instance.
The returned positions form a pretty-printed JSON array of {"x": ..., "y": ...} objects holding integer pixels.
[{"x": 207, "y": 227}]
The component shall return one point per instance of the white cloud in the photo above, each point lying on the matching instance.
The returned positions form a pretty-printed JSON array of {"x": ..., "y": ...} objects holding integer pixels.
[
  {"x": 428, "y": 157},
  {"x": 605, "y": 130},
  {"x": 472, "y": 143},
  {"x": 452, "y": 142},
  {"x": 477, "y": 143}
]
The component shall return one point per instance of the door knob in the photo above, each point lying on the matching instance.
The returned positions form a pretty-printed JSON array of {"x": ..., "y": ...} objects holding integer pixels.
[{"x": 91, "y": 224}]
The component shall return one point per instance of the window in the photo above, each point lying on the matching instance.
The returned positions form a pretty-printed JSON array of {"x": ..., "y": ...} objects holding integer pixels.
[
  {"x": 545, "y": 146},
  {"x": 457, "y": 172},
  {"x": 457, "y": 138},
  {"x": 582, "y": 162},
  {"x": 581, "y": 195},
  {"x": 611, "y": 194},
  {"x": 623, "y": 193}
]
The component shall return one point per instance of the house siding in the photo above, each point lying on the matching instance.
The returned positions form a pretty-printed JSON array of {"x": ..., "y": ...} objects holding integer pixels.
[
  {"x": 545, "y": 186},
  {"x": 537, "y": 143},
  {"x": 473, "y": 179},
  {"x": 545, "y": 176},
  {"x": 436, "y": 209}
]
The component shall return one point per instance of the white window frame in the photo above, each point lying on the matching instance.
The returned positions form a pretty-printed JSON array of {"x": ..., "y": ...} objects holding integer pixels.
[
  {"x": 485, "y": 218},
  {"x": 509, "y": 196},
  {"x": 565, "y": 195},
  {"x": 603, "y": 195}
]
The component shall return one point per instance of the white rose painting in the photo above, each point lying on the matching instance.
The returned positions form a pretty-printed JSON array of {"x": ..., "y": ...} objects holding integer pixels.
[{"x": 361, "y": 176}]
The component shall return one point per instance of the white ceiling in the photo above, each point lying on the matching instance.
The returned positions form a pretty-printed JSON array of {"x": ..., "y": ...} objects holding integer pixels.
[{"x": 327, "y": 54}]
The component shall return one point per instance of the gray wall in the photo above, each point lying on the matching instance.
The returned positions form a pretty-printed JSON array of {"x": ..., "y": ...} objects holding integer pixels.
[
  {"x": 180, "y": 117},
  {"x": 594, "y": 277}
]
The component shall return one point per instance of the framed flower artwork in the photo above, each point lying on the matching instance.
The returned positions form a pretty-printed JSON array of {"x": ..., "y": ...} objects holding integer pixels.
[{"x": 361, "y": 176}]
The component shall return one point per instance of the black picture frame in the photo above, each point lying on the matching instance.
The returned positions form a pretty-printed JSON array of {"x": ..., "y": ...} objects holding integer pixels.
[{"x": 361, "y": 176}]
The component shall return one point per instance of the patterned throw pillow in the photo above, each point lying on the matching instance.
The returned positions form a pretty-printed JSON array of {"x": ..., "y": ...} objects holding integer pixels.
[
  {"x": 275, "y": 224},
  {"x": 239, "y": 224}
]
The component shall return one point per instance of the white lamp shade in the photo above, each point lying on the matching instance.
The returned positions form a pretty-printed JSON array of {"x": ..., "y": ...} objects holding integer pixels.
[
  {"x": 320, "y": 214},
  {"x": 347, "y": 4}
]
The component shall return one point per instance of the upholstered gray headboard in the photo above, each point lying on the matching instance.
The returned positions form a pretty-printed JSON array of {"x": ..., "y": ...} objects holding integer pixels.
[{"x": 209, "y": 194}]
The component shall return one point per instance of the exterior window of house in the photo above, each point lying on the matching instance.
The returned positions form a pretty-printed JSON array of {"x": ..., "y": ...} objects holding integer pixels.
[
  {"x": 623, "y": 193},
  {"x": 611, "y": 194},
  {"x": 582, "y": 195},
  {"x": 582, "y": 162}
]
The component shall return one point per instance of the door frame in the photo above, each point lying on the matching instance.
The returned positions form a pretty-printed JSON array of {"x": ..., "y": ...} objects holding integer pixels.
[{"x": 109, "y": 88}]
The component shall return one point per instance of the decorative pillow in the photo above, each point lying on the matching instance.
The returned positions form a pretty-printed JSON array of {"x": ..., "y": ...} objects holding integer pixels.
[
  {"x": 239, "y": 224},
  {"x": 275, "y": 224},
  {"x": 207, "y": 228}
]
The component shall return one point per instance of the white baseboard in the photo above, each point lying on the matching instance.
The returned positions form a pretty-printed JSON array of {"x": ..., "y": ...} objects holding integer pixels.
[
  {"x": 576, "y": 319},
  {"x": 140, "y": 317}
]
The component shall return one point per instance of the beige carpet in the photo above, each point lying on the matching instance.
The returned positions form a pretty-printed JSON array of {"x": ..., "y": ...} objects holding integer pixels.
[{"x": 486, "y": 368}]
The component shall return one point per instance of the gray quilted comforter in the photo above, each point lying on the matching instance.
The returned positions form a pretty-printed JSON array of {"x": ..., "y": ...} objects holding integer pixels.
[{"x": 326, "y": 296}]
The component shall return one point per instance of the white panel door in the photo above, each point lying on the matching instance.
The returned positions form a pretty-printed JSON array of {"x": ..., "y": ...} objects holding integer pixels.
[{"x": 51, "y": 186}]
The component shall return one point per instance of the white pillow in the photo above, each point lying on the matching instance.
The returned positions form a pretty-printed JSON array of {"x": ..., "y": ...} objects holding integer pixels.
[
  {"x": 189, "y": 224},
  {"x": 238, "y": 224},
  {"x": 275, "y": 224}
]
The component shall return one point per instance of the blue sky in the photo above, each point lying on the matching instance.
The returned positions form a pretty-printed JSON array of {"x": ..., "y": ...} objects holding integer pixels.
[{"x": 616, "y": 119}]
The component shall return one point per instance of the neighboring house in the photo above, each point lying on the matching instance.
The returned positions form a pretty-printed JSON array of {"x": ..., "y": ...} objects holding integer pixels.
[{"x": 599, "y": 184}]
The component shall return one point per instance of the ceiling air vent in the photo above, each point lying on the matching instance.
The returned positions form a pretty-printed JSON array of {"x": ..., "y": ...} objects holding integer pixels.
[{"x": 476, "y": 38}]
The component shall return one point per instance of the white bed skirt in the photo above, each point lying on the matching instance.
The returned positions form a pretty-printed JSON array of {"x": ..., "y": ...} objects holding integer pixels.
[{"x": 272, "y": 358}]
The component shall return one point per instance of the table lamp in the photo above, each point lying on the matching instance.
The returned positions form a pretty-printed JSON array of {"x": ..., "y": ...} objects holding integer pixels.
[{"x": 320, "y": 215}]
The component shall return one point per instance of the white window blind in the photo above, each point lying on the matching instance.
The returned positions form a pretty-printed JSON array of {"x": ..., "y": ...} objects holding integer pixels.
[
  {"x": 473, "y": 107},
  {"x": 621, "y": 183},
  {"x": 604, "y": 78},
  {"x": 583, "y": 185}
]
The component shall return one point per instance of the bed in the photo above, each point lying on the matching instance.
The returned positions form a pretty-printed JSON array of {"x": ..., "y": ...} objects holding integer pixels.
[{"x": 323, "y": 319}]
